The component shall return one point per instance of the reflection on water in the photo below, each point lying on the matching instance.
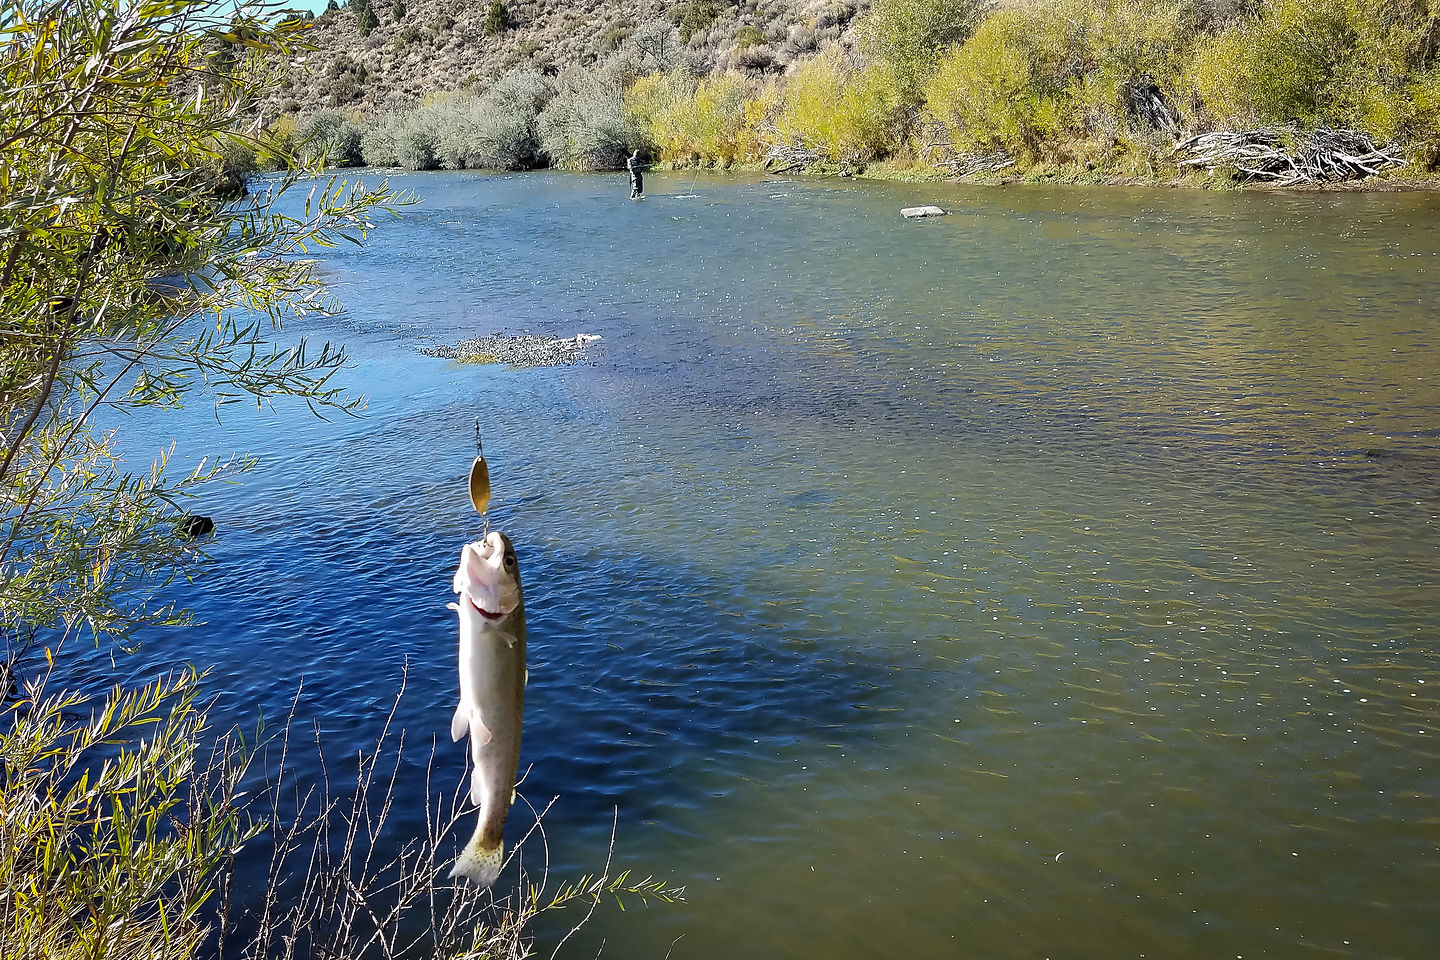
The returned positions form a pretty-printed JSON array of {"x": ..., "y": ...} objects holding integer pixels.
[{"x": 1013, "y": 584}]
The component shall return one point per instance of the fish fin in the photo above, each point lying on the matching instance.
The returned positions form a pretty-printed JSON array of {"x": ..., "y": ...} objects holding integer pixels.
[
  {"x": 512, "y": 797},
  {"x": 478, "y": 862},
  {"x": 527, "y": 677},
  {"x": 477, "y": 787},
  {"x": 453, "y": 606},
  {"x": 460, "y": 723}
]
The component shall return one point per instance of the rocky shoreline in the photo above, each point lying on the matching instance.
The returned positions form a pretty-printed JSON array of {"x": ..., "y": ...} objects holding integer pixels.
[{"x": 520, "y": 350}]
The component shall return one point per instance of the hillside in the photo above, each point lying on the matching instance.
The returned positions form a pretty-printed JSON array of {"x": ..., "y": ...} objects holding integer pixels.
[{"x": 417, "y": 47}]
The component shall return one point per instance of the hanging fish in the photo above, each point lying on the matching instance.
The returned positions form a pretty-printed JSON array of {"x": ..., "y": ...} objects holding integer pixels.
[{"x": 492, "y": 693}]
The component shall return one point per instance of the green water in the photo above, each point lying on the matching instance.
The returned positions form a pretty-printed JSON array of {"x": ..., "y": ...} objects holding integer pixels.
[{"x": 1014, "y": 584}]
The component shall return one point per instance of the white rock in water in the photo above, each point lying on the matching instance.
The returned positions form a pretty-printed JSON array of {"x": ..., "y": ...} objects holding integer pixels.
[{"x": 913, "y": 213}]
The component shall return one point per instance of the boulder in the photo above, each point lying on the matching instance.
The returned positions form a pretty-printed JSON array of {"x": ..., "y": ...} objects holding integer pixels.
[{"x": 915, "y": 213}]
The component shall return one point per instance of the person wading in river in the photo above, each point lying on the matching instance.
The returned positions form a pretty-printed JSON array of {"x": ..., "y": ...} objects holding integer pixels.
[{"x": 637, "y": 182}]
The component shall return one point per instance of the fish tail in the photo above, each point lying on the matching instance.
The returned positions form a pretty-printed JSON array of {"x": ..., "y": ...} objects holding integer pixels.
[{"x": 481, "y": 859}]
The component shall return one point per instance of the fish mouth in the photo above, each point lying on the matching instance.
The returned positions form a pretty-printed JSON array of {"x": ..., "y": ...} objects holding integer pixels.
[{"x": 482, "y": 611}]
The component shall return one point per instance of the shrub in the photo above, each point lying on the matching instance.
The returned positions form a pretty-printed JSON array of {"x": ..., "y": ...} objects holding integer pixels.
[
  {"x": 851, "y": 114},
  {"x": 495, "y": 131},
  {"x": 834, "y": 14},
  {"x": 365, "y": 18},
  {"x": 1334, "y": 62},
  {"x": 276, "y": 146},
  {"x": 661, "y": 105},
  {"x": 996, "y": 91},
  {"x": 378, "y": 142},
  {"x": 614, "y": 36},
  {"x": 1040, "y": 80},
  {"x": 748, "y": 36},
  {"x": 910, "y": 35},
  {"x": 417, "y": 146},
  {"x": 329, "y": 138},
  {"x": 586, "y": 126},
  {"x": 497, "y": 18},
  {"x": 653, "y": 47},
  {"x": 398, "y": 11},
  {"x": 720, "y": 128},
  {"x": 345, "y": 80},
  {"x": 695, "y": 16}
]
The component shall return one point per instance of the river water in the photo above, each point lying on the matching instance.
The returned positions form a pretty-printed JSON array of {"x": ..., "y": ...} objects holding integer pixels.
[{"x": 1058, "y": 578}]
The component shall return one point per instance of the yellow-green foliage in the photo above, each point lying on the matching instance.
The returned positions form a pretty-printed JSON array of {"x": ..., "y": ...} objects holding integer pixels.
[
  {"x": 851, "y": 114},
  {"x": 1057, "y": 81},
  {"x": 1032, "y": 79},
  {"x": 277, "y": 144},
  {"x": 1337, "y": 62},
  {"x": 720, "y": 128},
  {"x": 660, "y": 103},
  {"x": 1425, "y": 122},
  {"x": 910, "y": 35},
  {"x": 116, "y": 824},
  {"x": 688, "y": 121}
]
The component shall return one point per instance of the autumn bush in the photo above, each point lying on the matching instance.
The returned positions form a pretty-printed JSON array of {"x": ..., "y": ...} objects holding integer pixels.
[
  {"x": 1057, "y": 80},
  {"x": 693, "y": 120},
  {"x": 1356, "y": 63},
  {"x": 851, "y": 113}
]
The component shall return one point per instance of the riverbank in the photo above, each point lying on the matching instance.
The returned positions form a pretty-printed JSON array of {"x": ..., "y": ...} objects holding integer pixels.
[
  {"x": 892, "y": 172},
  {"x": 1054, "y": 91}
]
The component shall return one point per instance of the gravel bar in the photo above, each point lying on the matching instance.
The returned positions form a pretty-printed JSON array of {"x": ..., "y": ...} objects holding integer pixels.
[{"x": 521, "y": 351}]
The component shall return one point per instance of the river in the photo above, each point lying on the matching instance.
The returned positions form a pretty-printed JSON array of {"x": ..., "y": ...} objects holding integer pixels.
[{"x": 1058, "y": 578}]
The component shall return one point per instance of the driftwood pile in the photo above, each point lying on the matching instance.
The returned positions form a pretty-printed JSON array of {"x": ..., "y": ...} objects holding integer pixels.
[
  {"x": 1288, "y": 157},
  {"x": 968, "y": 163},
  {"x": 783, "y": 157}
]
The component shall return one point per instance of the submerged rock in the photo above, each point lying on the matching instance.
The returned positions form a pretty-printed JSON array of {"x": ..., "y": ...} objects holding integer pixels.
[
  {"x": 193, "y": 526},
  {"x": 915, "y": 213},
  {"x": 520, "y": 351}
]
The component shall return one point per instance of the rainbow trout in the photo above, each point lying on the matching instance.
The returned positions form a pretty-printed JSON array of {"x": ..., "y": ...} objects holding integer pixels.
[{"x": 492, "y": 693}]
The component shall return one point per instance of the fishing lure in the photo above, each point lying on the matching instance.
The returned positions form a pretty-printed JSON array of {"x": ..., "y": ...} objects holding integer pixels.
[
  {"x": 480, "y": 484},
  {"x": 479, "y": 476}
]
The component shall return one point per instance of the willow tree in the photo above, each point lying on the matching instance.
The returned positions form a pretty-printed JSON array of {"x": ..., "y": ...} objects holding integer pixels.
[{"x": 137, "y": 270}]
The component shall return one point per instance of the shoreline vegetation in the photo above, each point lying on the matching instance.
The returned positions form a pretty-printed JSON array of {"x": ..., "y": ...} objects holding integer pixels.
[{"x": 1213, "y": 93}]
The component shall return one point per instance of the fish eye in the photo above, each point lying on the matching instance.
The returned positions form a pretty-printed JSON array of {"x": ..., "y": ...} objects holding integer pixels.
[{"x": 509, "y": 559}]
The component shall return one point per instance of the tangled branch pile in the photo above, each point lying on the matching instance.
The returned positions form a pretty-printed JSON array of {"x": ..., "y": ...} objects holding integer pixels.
[
  {"x": 783, "y": 157},
  {"x": 966, "y": 164},
  {"x": 1287, "y": 157}
]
